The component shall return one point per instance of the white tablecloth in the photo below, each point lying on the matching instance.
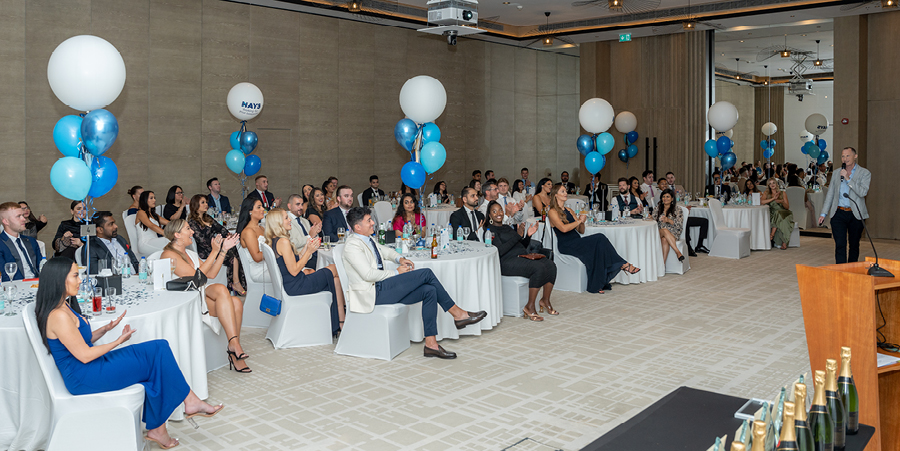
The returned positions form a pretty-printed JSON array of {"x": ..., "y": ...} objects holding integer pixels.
[
  {"x": 470, "y": 272},
  {"x": 25, "y": 413},
  {"x": 439, "y": 216},
  {"x": 818, "y": 201},
  {"x": 755, "y": 218}
]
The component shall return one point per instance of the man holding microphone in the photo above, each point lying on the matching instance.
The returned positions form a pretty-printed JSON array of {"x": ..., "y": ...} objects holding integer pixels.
[{"x": 847, "y": 213}]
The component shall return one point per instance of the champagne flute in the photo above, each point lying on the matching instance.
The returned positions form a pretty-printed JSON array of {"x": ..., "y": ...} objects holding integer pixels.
[
  {"x": 466, "y": 232},
  {"x": 11, "y": 268}
]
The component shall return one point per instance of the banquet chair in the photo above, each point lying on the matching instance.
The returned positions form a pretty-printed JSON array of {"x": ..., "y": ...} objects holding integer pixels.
[
  {"x": 571, "y": 274},
  {"x": 131, "y": 232},
  {"x": 63, "y": 403},
  {"x": 304, "y": 320},
  {"x": 673, "y": 266},
  {"x": 382, "y": 334},
  {"x": 359, "y": 200},
  {"x": 795, "y": 235},
  {"x": 255, "y": 289},
  {"x": 116, "y": 425},
  {"x": 515, "y": 294},
  {"x": 383, "y": 211},
  {"x": 575, "y": 204},
  {"x": 796, "y": 195},
  {"x": 730, "y": 242},
  {"x": 43, "y": 248}
]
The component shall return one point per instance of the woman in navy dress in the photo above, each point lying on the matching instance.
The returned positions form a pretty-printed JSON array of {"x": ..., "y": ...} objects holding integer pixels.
[
  {"x": 297, "y": 279},
  {"x": 87, "y": 369},
  {"x": 595, "y": 251}
]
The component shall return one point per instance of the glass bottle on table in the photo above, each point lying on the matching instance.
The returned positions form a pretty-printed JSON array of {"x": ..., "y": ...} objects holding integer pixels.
[
  {"x": 434, "y": 247},
  {"x": 819, "y": 419},
  {"x": 847, "y": 390},
  {"x": 787, "y": 441},
  {"x": 759, "y": 435},
  {"x": 834, "y": 404},
  {"x": 805, "y": 440}
]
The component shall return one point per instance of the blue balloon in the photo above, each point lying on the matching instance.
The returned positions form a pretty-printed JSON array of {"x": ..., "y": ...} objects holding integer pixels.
[
  {"x": 823, "y": 157},
  {"x": 405, "y": 133},
  {"x": 252, "y": 163},
  {"x": 99, "y": 130},
  {"x": 632, "y": 151},
  {"x": 804, "y": 149},
  {"x": 723, "y": 144},
  {"x": 433, "y": 155},
  {"x": 822, "y": 144},
  {"x": 631, "y": 136},
  {"x": 236, "y": 140},
  {"x": 594, "y": 162},
  {"x": 234, "y": 159},
  {"x": 768, "y": 153},
  {"x": 710, "y": 147},
  {"x": 413, "y": 175},
  {"x": 728, "y": 160},
  {"x": 623, "y": 155},
  {"x": 71, "y": 178},
  {"x": 605, "y": 143},
  {"x": 813, "y": 151},
  {"x": 104, "y": 175},
  {"x": 249, "y": 140},
  {"x": 764, "y": 144},
  {"x": 430, "y": 133},
  {"x": 67, "y": 135},
  {"x": 772, "y": 143},
  {"x": 585, "y": 144}
]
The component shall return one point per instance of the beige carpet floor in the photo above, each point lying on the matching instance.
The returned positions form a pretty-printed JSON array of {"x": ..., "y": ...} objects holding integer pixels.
[{"x": 729, "y": 326}]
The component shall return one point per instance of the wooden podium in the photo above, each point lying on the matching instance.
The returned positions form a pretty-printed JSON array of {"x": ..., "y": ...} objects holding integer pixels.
[{"x": 841, "y": 308}]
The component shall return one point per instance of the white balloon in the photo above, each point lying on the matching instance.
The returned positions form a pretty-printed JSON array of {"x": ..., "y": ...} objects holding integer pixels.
[
  {"x": 722, "y": 115},
  {"x": 86, "y": 72},
  {"x": 625, "y": 122},
  {"x": 245, "y": 101},
  {"x": 769, "y": 129},
  {"x": 596, "y": 115},
  {"x": 816, "y": 124},
  {"x": 805, "y": 136},
  {"x": 728, "y": 133},
  {"x": 423, "y": 99}
]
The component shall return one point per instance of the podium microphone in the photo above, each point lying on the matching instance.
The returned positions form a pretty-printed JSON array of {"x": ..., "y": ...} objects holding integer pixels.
[
  {"x": 874, "y": 270},
  {"x": 844, "y": 166}
]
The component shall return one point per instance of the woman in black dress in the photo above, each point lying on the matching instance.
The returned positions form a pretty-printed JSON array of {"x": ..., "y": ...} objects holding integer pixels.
[
  {"x": 175, "y": 204},
  {"x": 205, "y": 229},
  {"x": 68, "y": 234},
  {"x": 511, "y": 245},
  {"x": 440, "y": 188},
  {"x": 595, "y": 251},
  {"x": 315, "y": 212}
]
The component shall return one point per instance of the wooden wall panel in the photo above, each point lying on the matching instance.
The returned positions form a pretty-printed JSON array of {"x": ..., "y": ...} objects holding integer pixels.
[
  {"x": 851, "y": 84},
  {"x": 769, "y": 106}
]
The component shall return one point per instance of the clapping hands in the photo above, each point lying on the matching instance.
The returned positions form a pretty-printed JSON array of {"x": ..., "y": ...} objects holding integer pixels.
[{"x": 315, "y": 229}]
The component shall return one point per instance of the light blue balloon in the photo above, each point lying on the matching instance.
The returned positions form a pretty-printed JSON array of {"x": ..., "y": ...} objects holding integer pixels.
[
  {"x": 249, "y": 140},
  {"x": 585, "y": 144},
  {"x": 71, "y": 178},
  {"x": 710, "y": 147},
  {"x": 594, "y": 162},
  {"x": 236, "y": 140},
  {"x": 234, "y": 159},
  {"x": 822, "y": 144},
  {"x": 413, "y": 175},
  {"x": 104, "y": 175},
  {"x": 430, "y": 133},
  {"x": 99, "y": 130},
  {"x": 605, "y": 143},
  {"x": 67, "y": 135},
  {"x": 814, "y": 151},
  {"x": 728, "y": 160},
  {"x": 252, "y": 164},
  {"x": 632, "y": 151},
  {"x": 764, "y": 144},
  {"x": 405, "y": 133},
  {"x": 433, "y": 155}
]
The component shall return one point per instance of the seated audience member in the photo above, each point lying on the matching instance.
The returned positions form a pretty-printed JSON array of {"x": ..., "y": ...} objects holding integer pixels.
[
  {"x": 219, "y": 302},
  {"x": 149, "y": 228},
  {"x": 649, "y": 189},
  {"x": 15, "y": 247},
  {"x": 669, "y": 218},
  {"x": 315, "y": 211},
  {"x": 216, "y": 200},
  {"x": 625, "y": 201},
  {"x": 296, "y": 279},
  {"x": 718, "y": 188},
  {"x": 597, "y": 193},
  {"x": 262, "y": 194},
  {"x": 541, "y": 199},
  {"x": 780, "y": 215},
  {"x": 504, "y": 196},
  {"x": 512, "y": 210},
  {"x": 468, "y": 215},
  {"x": 175, "y": 204},
  {"x": 408, "y": 212},
  {"x": 329, "y": 187},
  {"x": 250, "y": 231},
  {"x": 570, "y": 187},
  {"x": 372, "y": 284},
  {"x": 693, "y": 221},
  {"x": 206, "y": 229},
  {"x": 518, "y": 192},
  {"x": 307, "y": 193},
  {"x": 749, "y": 187},
  {"x": 373, "y": 191},
  {"x": 489, "y": 175},
  {"x": 108, "y": 245},
  {"x": 440, "y": 189},
  {"x": 336, "y": 218},
  {"x": 476, "y": 176},
  {"x": 634, "y": 187},
  {"x": 796, "y": 178},
  {"x": 87, "y": 368},
  {"x": 405, "y": 189},
  {"x": 519, "y": 257},
  {"x": 135, "y": 193},
  {"x": 529, "y": 185},
  {"x": 301, "y": 230},
  {"x": 595, "y": 251},
  {"x": 68, "y": 234},
  {"x": 476, "y": 185},
  {"x": 679, "y": 190},
  {"x": 33, "y": 225}
]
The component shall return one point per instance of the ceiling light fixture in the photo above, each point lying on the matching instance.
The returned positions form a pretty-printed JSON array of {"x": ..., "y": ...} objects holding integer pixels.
[
  {"x": 817, "y": 62},
  {"x": 785, "y": 53},
  {"x": 689, "y": 25},
  {"x": 354, "y": 6},
  {"x": 888, "y": 3},
  {"x": 548, "y": 41},
  {"x": 738, "y": 69},
  {"x": 616, "y": 5}
]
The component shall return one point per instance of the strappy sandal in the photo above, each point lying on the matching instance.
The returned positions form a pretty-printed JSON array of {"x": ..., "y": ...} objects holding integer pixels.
[
  {"x": 205, "y": 414},
  {"x": 549, "y": 308},
  {"x": 631, "y": 269},
  {"x": 147, "y": 438},
  {"x": 532, "y": 316},
  {"x": 243, "y": 355}
]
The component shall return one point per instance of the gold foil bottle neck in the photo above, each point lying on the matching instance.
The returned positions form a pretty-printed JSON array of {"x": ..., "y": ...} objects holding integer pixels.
[
  {"x": 819, "y": 397},
  {"x": 831, "y": 375},
  {"x": 759, "y": 436},
  {"x": 738, "y": 446},
  {"x": 845, "y": 362},
  {"x": 788, "y": 433},
  {"x": 800, "y": 402}
]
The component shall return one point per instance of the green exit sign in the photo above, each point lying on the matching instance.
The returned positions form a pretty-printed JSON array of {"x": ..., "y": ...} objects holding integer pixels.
[{"x": 625, "y": 37}]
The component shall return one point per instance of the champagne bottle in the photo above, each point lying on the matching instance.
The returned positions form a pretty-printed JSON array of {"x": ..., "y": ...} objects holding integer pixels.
[
  {"x": 759, "y": 436},
  {"x": 819, "y": 418},
  {"x": 805, "y": 441},
  {"x": 849, "y": 395},
  {"x": 788, "y": 439},
  {"x": 738, "y": 446},
  {"x": 834, "y": 404}
]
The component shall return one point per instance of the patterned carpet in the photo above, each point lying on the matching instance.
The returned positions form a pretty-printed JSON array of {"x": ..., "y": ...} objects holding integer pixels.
[{"x": 729, "y": 326}]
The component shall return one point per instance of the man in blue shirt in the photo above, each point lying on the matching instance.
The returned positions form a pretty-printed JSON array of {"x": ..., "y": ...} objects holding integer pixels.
[
  {"x": 216, "y": 200},
  {"x": 847, "y": 213}
]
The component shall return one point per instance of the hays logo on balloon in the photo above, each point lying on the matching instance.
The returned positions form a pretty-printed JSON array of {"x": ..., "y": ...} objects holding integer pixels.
[{"x": 251, "y": 107}]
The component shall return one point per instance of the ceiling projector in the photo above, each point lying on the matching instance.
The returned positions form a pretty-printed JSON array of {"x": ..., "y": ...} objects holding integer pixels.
[{"x": 453, "y": 18}]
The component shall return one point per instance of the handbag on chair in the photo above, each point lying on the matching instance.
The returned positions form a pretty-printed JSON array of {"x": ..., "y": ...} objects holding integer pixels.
[
  {"x": 189, "y": 283},
  {"x": 270, "y": 305}
]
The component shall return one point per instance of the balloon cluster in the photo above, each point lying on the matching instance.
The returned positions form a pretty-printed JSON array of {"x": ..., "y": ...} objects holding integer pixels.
[
  {"x": 244, "y": 101},
  {"x": 86, "y": 73},
  {"x": 422, "y": 100},
  {"x": 768, "y": 144},
  {"x": 816, "y": 124},
  {"x": 596, "y": 116},
  {"x": 723, "y": 116}
]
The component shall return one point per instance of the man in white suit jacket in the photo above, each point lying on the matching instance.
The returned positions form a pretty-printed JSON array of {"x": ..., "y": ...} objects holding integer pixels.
[
  {"x": 847, "y": 217},
  {"x": 371, "y": 284}
]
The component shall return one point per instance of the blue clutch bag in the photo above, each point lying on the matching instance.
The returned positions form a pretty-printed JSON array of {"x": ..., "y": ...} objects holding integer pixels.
[{"x": 270, "y": 305}]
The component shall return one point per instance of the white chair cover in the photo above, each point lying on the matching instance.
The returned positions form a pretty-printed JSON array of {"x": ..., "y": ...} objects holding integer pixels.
[
  {"x": 383, "y": 212},
  {"x": 515, "y": 294},
  {"x": 795, "y": 195},
  {"x": 571, "y": 273},
  {"x": 729, "y": 242},
  {"x": 44, "y": 248},
  {"x": 116, "y": 431},
  {"x": 131, "y": 234},
  {"x": 360, "y": 200},
  {"x": 252, "y": 316}
]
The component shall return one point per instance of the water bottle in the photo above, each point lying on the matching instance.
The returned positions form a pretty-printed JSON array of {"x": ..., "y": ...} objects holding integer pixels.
[
  {"x": 126, "y": 266},
  {"x": 615, "y": 211},
  {"x": 41, "y": 265},
  {"x": 142, "y": 270},
  {"x": 487, "y": 238},
  {"x": 459, "y": 234}
]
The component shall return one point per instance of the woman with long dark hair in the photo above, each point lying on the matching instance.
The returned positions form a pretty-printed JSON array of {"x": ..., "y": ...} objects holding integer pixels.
[
  {"x": 541, "y": 199},
  {"x": 174, "y": 208},
  {"x": 670, "y": 220},
  {"x": 68, "y": 234},
  {"x": 408, "y": 212},
  {"x": 87, "y": 368},
  {"x": 306, "y": 191},
  {"x": 248, "y": 228},
  {"x": 33, "y": 225},
  {"x": 149, "y": 224},
  {"x": 634, "y": 186},
  {"x": 315, "y": 212},
  {"x": 518, "y": 191},
  {"x": 440, "y": 188},
  {"x": 206, "y": 229}
]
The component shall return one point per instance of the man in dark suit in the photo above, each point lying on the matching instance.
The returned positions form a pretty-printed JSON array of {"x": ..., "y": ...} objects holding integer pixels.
[
  {"x": 337, "y": 217},
  {"x": 262, "y": 194},
  {"x": 15, "y": 247},
  {"x": 468, "y": 215},
  {"x": 718, "y": 188},
  {"x": 373, "y": 191},
  {"x": 215, "y": 199},
  {"x": 627, "y": 201},
  {"x": 107, "y": 245},
  {"x": 570, "y": 187}
]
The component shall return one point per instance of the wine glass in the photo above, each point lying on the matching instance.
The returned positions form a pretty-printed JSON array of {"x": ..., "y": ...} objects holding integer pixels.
[
  {"x": 466, "y": 232},
  {"x": 11, "y": 269}
]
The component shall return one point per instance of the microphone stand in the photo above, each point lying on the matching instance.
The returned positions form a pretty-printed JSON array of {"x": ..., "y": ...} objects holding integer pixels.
[{"x": 874, "y": 270}]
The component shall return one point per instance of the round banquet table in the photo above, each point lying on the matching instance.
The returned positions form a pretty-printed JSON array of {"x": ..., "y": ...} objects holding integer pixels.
[
  {"x": 439, "y": 216},
  {"x": 469, "y": 271},
  {"x": 818, "y": 201},
  {"x": 755, "y": 218},
  {"x": 173, "y": 316}
]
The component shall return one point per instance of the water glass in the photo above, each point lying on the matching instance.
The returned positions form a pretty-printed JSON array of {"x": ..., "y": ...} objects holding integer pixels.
[
  {"x": 109, "y": 304},
  {"x": 466, "y": 232},
  {"x": 9, "y": 294},
  {"x": 326, "y": 241},
  {"x": 97, "y": 301},
  {"x": 340, "y": 234},
  {"x": 11, "y": 268},
  {"x": 102, "y": 266}
]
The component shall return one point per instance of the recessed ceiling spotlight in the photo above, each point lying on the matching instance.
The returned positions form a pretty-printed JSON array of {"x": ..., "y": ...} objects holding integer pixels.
[{"x": 742, "y": 41}]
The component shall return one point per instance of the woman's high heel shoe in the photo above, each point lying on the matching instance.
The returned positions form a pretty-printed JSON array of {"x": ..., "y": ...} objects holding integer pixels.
[
  {"x": 243, "y": 356},
  {"x": 681, "y": 259},
  {"x": 147, "y": 438},
  {"x": 231, "y": 365},
  {"x": 549, "y": 308},
  {"x": 532, "y": 316}
]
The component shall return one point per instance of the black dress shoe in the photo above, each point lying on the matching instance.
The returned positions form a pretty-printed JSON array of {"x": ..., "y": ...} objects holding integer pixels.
[
  {"x": 473, "y": 318},
  {"x": 703, "y": 249},
  {"x": 440, "y": 353},
  {"x": 692, "y": 253}
]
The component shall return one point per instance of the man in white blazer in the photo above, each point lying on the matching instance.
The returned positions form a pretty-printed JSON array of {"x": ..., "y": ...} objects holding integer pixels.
[
  {"x": 845, "y": 204},
  {"x": 372, "y": 284},
  {"x": 301, "y": 228}
]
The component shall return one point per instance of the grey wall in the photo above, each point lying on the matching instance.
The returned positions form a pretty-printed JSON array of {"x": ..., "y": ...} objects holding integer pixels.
[{"x": 331, "y": 88}]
